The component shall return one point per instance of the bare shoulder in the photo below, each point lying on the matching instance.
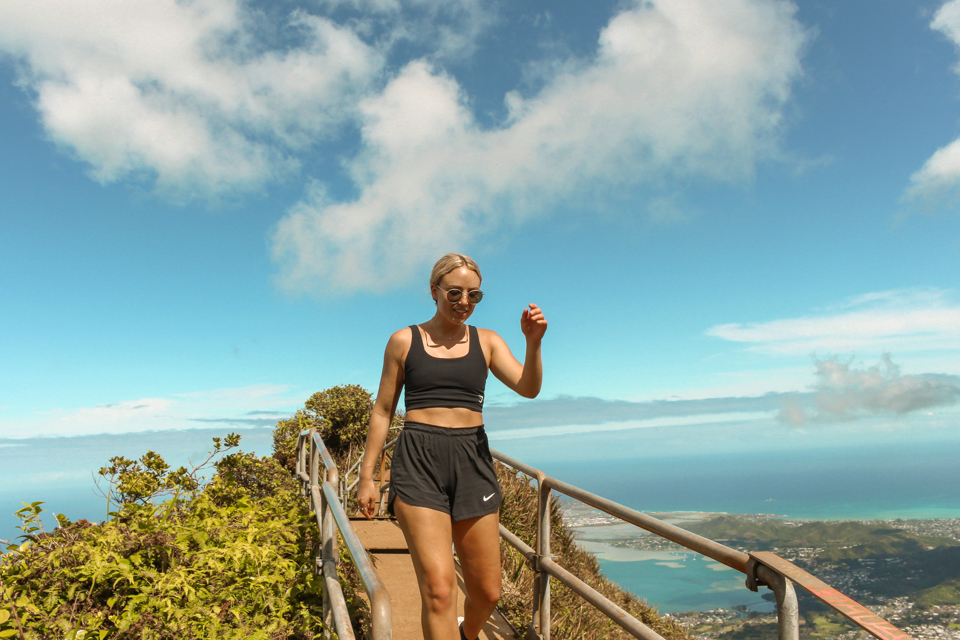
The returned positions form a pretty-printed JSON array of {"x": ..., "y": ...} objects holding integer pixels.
[
  {"x": 399, "y": 344},
  {"x": 489, "y": 338}
]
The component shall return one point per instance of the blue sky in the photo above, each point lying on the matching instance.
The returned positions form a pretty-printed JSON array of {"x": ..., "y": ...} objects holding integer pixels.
[{"x": 740, "y": 218}]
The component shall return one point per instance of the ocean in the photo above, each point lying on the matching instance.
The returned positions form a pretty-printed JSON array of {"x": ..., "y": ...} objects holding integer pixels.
[
  {"x": 919, "y": 480},
  {"x": 675, "y": 582},
  {"x": 889, "y": 481},
  {"x": 897, "y": 480}
]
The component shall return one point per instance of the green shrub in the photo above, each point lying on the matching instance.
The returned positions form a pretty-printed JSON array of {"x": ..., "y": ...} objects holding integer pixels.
[
  {"x": 232, "y": 558},
  {"x": 342, "y": 415},
  {"x": 285, "y": 439}
]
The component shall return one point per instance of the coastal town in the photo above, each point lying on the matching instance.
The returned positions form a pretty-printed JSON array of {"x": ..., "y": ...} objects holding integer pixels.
[{"x": 872, "y": 580}]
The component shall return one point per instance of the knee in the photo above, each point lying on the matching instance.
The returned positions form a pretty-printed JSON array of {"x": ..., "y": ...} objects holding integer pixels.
[
  {"x": 438, "y": 592},
  {"x": 487, "y": 592}
]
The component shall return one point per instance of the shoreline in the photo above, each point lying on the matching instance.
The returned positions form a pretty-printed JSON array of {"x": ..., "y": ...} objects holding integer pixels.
[
  {"x": 577, "y": 514},
  {"x": 683, "y": 582}
]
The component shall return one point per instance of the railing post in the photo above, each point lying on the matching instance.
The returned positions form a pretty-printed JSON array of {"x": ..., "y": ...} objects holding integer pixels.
[
  {"x": 543, "y": 551},
  {"x": 320, "y": 513},
  {"x": 328, "y": 540},
  {"x": 303, "y": 454},
  {"x": 314, "y": 469},
  {"x": 331, "y": 554},
  {"x": 298, "y": 465},
  {"x": 788, "y": 611}
]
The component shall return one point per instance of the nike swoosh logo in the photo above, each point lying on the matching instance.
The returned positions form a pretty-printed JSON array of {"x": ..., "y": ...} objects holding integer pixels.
[{"x": 489, "y": 496}]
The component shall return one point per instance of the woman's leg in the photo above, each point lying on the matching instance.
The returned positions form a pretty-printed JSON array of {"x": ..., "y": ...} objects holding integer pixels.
[
  {"x": 478, "y": 548},
  {"x": 429, "y": 535}
]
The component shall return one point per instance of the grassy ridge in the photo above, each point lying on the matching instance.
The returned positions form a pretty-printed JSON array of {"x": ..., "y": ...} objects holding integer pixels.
[
  {"x": 945, "y": 593},
  {"x": 839, "y": 540},
  {"x": 887, "y": 561}
]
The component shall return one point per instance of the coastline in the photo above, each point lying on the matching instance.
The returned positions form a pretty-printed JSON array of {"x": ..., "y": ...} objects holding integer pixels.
[{"x": 680, "y": 581}]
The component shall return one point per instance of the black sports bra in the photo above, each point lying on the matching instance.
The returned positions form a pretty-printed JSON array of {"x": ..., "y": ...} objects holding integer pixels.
[{"x": 444, "y": 382}]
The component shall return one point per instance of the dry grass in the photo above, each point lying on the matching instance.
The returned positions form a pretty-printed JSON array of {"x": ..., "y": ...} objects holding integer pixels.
[{"x": 572, "y": 617}]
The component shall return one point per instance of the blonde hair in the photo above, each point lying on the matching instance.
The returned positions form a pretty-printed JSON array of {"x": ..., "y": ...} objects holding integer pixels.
[{"x": 452, "y": 261}]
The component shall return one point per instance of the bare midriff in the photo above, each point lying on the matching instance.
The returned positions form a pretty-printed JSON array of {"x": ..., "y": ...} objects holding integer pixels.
[{"x": 451, "y": 417}]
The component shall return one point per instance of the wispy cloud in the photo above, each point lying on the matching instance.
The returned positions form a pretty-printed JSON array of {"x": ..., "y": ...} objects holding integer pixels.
[
  {"x": 939, "y": 178},
  {"x": 545, "y": 431},
  {"x": 675, "y": 89},
  {"x": 248, "y": 422},
  {"x": 910, "y": 320},
  {"x": 178, "y": 411},
  {"x": 213, "y": 98},
  {"x": 197, "y": 97},
  {"x": 844, "y": 391},
  {"x": 448, "y": 29},
  {"x": 841, "y": 390},
  {"x": 581, "y": 411}
]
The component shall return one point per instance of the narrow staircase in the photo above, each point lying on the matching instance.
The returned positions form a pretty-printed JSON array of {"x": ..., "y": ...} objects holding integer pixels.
[{"x": 384, "y": 541}]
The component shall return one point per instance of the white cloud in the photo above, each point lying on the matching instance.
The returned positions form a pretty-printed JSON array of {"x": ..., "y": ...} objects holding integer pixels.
[
  {"x": 449, "y": 28},
  {"x": 845, "y": 392},
  {"x": 212, "y": 98},
  {"x": 652, "y": 423},
  {"x": 581, "y": 412},
  {"x": 185, "y": 93},
  {"x": 939, "y": 177},
  {"x": 677, "y": 88},
  {"x": 178, "y": 411},
  {"x": 947, "y": 21},
  {"x": 920, "y": 320}
]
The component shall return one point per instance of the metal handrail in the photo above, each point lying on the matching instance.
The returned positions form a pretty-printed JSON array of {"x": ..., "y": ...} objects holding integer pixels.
[
  {"x": 331, "y": 517},
  {"x": 761, "y": 568},
  {"x": 347, "y": 487},
  {"x": 578, "y": 586}
]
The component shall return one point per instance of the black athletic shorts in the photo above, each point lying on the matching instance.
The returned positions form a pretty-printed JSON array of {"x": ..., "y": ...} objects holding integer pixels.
[{"x": 448, "y": 470}]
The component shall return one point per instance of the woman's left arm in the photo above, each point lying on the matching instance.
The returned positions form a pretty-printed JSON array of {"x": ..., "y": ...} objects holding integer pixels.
[{"x": 524, "y": 378}]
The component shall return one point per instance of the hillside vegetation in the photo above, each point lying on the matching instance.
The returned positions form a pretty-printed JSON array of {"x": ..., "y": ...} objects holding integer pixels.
[
  {"x": 891, "y": 562},
  {"x": 178, "y": 559},
  {"x": 838, "y": 540},
  {"x": 186, "y": 557}
]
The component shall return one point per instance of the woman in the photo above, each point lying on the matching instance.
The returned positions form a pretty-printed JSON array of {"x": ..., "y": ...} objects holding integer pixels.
[{"x": 443, "y": 487}]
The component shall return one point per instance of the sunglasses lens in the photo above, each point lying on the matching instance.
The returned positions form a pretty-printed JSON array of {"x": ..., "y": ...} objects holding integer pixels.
[
  {"x": 454, "y": 294},
  {"x": 475, "y": 296}
]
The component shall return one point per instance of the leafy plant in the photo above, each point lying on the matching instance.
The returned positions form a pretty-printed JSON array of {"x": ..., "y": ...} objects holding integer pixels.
[
  {"x": 228, "y": 558},
  {"x": 142, "y": 482},
  {"x": 341, "y": 416}
]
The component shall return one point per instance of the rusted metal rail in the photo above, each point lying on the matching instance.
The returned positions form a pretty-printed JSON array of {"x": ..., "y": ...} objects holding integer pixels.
[
  {"x": 760, "y": 568},
  {"x": 325, "y": 503}
]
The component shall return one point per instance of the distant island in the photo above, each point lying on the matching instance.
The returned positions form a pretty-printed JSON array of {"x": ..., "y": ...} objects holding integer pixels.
[{"x": 907, "y": 571}]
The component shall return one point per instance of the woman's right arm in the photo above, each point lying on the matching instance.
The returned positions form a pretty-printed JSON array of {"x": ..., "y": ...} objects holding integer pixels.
[{"x": 384, "y": 408}]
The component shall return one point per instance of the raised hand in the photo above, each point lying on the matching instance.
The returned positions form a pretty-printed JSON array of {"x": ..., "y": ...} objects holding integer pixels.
[{"x": 533, "y": 324}]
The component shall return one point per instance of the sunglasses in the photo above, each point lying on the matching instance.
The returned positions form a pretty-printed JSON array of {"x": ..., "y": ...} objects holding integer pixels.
[{"x": 454, "y": 295}]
